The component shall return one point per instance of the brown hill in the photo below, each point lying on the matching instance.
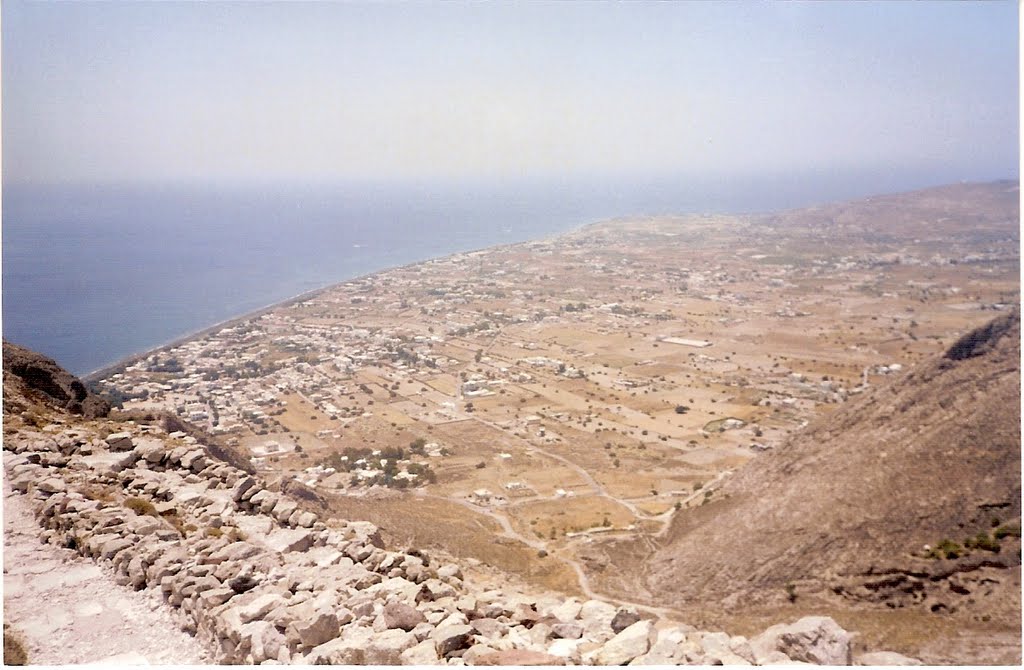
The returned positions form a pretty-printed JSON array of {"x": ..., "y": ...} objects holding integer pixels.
[
  {"x": 908, "y": 496},
  {"x": 35, "y": 377}
]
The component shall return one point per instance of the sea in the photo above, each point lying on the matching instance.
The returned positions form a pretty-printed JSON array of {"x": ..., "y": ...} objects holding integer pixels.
[{"x": 93, "y": 274}]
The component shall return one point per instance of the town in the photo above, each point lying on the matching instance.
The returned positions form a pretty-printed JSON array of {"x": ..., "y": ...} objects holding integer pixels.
[{"x": 558, "y": 391}]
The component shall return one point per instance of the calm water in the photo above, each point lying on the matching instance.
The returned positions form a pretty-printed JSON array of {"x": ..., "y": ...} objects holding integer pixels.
[{"x": 92, "y": 275}]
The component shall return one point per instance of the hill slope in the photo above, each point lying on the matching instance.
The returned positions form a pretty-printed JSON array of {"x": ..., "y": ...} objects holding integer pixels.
[
  {"x": 39, "y": 379},
  {"x": 847, "y": 506}
]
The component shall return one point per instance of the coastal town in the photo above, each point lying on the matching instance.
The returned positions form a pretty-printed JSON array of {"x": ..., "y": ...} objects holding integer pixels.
[{"x": 555, "y": 392}]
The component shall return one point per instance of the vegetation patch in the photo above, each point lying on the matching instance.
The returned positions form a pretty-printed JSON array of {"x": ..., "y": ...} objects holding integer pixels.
[
  {"x": 141, "y": 507},
  {"x": 14, "y": 648},
  {"x": 1009, "y": 530},
  {"x": 946, "y": 549}
]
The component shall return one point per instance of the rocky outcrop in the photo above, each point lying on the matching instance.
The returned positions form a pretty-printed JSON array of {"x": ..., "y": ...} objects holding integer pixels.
[{"x": 43, "y": 378}]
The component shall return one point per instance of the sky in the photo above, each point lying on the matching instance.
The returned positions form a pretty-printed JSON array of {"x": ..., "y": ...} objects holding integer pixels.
[{"x": 250, "y": 91}]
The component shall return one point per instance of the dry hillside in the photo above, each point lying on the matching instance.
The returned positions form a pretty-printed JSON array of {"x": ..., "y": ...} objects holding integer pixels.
[{"x": 907, "y": 496}]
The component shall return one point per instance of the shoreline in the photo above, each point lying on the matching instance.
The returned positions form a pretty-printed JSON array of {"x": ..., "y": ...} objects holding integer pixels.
[
  {"x": 226, "y": 323},
  {"x": 121, "y": 363}
]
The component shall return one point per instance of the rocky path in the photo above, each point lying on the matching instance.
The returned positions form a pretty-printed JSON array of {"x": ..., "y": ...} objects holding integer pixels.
[{"x": 69, "y": 610}]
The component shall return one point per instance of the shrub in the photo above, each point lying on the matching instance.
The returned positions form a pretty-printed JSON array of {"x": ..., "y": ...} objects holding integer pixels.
[
  {"x": 982, "y": 541},
  {"x": 97, "y": 492},
  {"x": 946, "y": 549},
  {"x": 141, "y": 507},
  {"x": 1009, "y": 530},
  {"x": 14, "y": 650}
]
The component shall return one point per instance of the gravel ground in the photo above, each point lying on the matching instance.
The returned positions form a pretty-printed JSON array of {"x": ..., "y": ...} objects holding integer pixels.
[{"x": 69, "y": 610}]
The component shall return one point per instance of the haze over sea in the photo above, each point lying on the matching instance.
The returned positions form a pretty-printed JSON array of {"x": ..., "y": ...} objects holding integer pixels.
[{"x": 93, "y": 274}]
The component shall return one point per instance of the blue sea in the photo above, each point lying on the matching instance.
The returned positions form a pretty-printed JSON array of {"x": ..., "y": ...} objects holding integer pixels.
[{"x": 93, "y": 274}]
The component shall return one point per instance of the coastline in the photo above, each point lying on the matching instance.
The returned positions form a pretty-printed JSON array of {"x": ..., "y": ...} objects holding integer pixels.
[
  {"x": 112, "y": 368},
  {"x": 121, "y": 363}
]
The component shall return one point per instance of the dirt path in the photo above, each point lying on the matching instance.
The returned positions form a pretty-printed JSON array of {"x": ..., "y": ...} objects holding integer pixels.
[{"x": 69, "y": 610}]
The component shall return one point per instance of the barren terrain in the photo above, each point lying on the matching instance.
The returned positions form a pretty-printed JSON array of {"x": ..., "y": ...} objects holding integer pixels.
[{"x": 524, "y": 404}]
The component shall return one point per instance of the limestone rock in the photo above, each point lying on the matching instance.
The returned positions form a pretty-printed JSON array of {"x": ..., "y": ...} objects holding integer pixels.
[
  {"x": 386, "y": 648},
  {"x": 818, "y": 640},
  {"x": 886, "y": 658},
  {"x": 337, "y": 652},
  {"x": 314, "y": 632},
  {"x": 566, "y": 649},
  {"x": 243, "y": 486},
  {"x": 400, "y": 615},
  {"x": 571, "y": 631},
  {"x": 258, "y": 607},
  {"x": 596, "y": 618},
  {"x": 451, "y": 637},
  {"x": 52, "y": 485},
  {"x": 627, "y": 645},
  {"x": 521, "y": 657},
  {"x": 285, "y": 540},
  {"x": 424, "y": 653},
  {"x": 489, "y": 628},
  {"x": 120, "y": 442}
]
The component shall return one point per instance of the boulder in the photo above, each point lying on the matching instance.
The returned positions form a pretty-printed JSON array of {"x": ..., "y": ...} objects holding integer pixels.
[
  {"x": 633, "y": 641},
  {"x": 120, "y": 442},
  {"x": 284, "y": 540},
  {"x": 596, "y": 618},
  {"x": 315, "y": 631},
  {"x": 520, "y": 657},
  {"x": 110, "y": 548},
  {"x": 448, "y": 571},
  {"x": 52, "y": 485},
  {"x": 566, "y": 649},
  {"x": 669, "y": 649},
  {"x": 213, "y": 597},
  {"x": 818, "y": 640},
  {"x": 775, "y": 658},
  {"x": 386, "y": 648},
  {"x": 571, "y": 631},
  {"x": 268, "y": 502},
  {"x": 242, "y": 583},
  {"x": 623, "y": 619},
  {"x": 451, "y": 637},
  {"x": 525, "y": 614},
  {"x": 262, "y": 639},
  {"x": 243, "y": 486},
  {"x": 474, "y": 654},
  {"x": 150, "y": 450},
  {"x": 402, "y": 616},
  {"x": 424, "y": 653},
  {"x": 337, "y": 652},
  {"x": 489, "y": 628},
  {"x": 886, "y": 658},
  {"x": 284, "y": 509},
  {"x": 258, "y": 607}
]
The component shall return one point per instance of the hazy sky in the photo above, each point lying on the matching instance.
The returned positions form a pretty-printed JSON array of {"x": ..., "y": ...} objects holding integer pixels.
[{"x": 116, "y": 91}]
